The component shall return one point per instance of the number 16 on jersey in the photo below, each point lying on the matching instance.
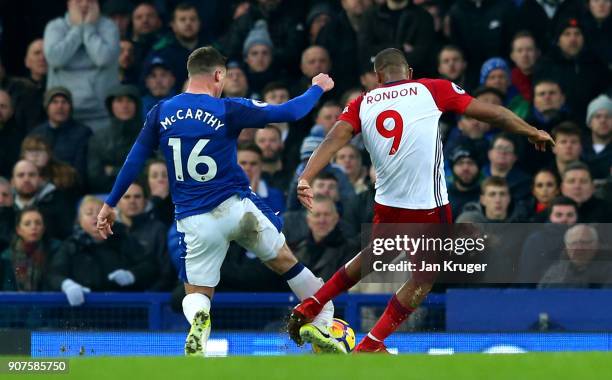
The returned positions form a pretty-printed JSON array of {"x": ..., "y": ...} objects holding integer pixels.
[{"x": 193, "y": 161}]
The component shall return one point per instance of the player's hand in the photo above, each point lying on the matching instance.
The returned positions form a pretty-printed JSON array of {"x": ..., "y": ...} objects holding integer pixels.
[
  {"x": 93, "y": 13},
  {"x": 541, "y": 139},
  {"x": 74, "y": 13},
  {"x": 304, "y": 193},
  {"x": 324, "y": 81},
  {"x": 106, "y": 218}
]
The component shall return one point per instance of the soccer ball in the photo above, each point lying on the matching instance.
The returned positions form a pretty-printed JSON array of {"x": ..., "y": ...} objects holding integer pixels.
[{"x": 343, "y": 333}]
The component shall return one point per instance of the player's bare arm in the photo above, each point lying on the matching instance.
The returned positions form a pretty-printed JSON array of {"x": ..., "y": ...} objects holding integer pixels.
[
  {"x": 339, "y": 136},
  {"x": 505, "y": 119}
]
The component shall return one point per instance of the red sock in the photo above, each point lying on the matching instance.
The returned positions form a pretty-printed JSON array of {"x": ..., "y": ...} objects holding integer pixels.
[
  {"x": 389, "y": 321},
  {"x": 340, "y": 282}
]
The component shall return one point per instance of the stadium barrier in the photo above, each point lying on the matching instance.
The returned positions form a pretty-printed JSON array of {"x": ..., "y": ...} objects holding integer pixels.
[{"x": 152, "y": 311}]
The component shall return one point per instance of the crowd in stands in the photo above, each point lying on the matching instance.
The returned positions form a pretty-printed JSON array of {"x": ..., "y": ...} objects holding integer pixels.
[{"x": 78, "y": 78}]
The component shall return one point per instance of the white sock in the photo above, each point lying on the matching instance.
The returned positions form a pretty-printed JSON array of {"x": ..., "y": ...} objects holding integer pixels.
[
  {"x": 304, "y": 285},
  {"x": 194, "y": 302}
]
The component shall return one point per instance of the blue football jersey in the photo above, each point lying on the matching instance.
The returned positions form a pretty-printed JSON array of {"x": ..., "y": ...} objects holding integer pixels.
[{"x": 197, "y": 135}]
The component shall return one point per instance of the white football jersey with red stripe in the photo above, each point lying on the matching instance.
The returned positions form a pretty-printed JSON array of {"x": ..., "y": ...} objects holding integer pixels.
[{"x": 399, "y": 124}]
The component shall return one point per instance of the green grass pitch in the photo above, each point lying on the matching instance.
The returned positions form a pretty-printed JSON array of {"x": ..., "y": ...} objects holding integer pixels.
[{"x": 531, "y": 366}]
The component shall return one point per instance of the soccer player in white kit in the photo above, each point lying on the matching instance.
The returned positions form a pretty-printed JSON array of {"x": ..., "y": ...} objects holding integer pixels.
[{"x": 399, "y": 125}]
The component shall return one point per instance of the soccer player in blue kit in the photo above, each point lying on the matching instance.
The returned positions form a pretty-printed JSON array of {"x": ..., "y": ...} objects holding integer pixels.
[{"x": 196, "y": 132}]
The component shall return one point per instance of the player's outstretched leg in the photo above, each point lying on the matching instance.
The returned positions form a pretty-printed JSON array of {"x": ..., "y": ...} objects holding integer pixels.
[
  {"x": 401, "y": 305},
  {"x": 196, "y": 307},
  {"x": 308, "y": 310},
  {"x": 304, "y": 284}
]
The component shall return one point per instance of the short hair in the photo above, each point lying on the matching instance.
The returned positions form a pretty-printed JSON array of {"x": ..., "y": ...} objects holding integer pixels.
[
  {"x": 273, "y": 86},
  {"x": 566, "y": 128},
  {"x": 576, "y": 165},
  {"x": 325, "y": 176},
  {"x": 327, "y": 104},
  {"x": 250, "y": 147},
  {"x": 451, "y": 48},
  {"x": 36, "y": 142},
  {"x": 493, "y": 181},
  {"x": 505, "y": 136},
  {"x": 4, "y": 181},
  {"x": 89, "y": 199},
  {"x": 319, "y": 198},
  {"x": 185, "y": 6},
  {"x": 390, "y": 60},
  {"x": 523, "y": 34},
  {"x": 487, "y": 90},
  {"x": 274, "y": 128},
  {"x": 547, "y": 80},
  {"x": 204, "y": 60},
  {"x": 562, "y": 200}
]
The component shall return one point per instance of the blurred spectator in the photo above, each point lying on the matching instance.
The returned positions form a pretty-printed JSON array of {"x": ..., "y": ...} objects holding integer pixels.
[
  {"x": 494, "y": 205},
  {"x": 544, "y": 189},
  {"x": 597, "y": 147},
  {"x": 315, "y": 60},
  {"x": 577, "y": 184},
  {"x": 483, "y": 29},
  {"x": 367, "y": 76},
  {"x": 31, "y": 190},
  {"x": 349, "y": 158},
  {"x": 525, "y": 54},
  {"x": 120, "y": 12},
  {"x": 236, "y": 85},
  {"x": 325, "y": 247},
  {"x": 175, "y": 49},
  {"x": 495, "y": 73},
  {"x": 548, "y": 110},
  {"x": 327, "y": 115},
  {"x": 128, "y": 71},
  {"x": 399, "y": 24},
  {"x": 286, "y": 32},
  {"x": 25, "y": 99},
  {"x": 542, "y": 18},
  {"x": 63, "y": 176},
  {"x": 567, "y": 147},
  {"x": 257, "y": 52},
  {"x": 151, "y": 234},
  {"x": 249, "y": 159},
  {"x": 472, "y": 132},
  {"x": 598, "y": 29},
  {"x": 146, "y": 25},
  {"x": 502, "y": 158},
  {"x": 541, "y": 248},
  {"x": 579, "y": 71},
  {"x": 274, "y": 170},
  {"x": 548, "y": 105},
  {"x": 25, "y": 262},
  {"x": 159, "y": 83},
  {"x": 158, "y": 189},
  {"x": 344, "y": 27},
  {"x": 11, "y": 134},
  {"x": 345, "y": 189},
  {"x": 465, "y": 185},
  {"x": 452, "y": 66},
  {"x": 7, "y": 213},
  {"x": 37, "y": 66},
  {"x": 109, "y": 147},
  {"x": 86, "y": 262},
  {"x": 82, "y": 50},
  {"x": 291, "y": 134},
  {"x": 68, "y": 138},
  {"x": 580, "y": 265},
  {"x": 319, "y": 15}
]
